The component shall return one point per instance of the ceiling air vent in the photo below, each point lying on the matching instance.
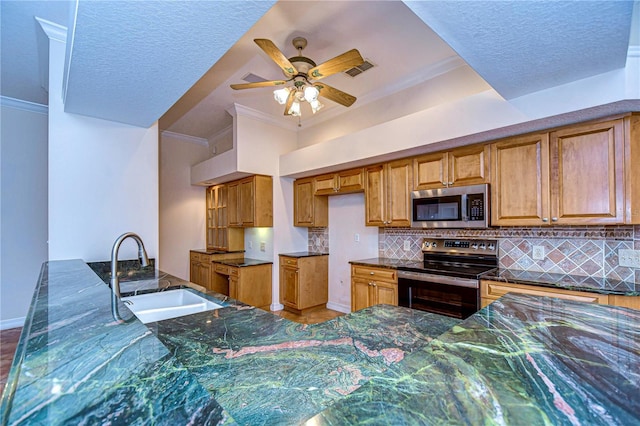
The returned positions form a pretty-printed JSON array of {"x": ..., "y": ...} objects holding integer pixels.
[
  {"x": 359, "y": 69},
  {"x": 252, "y": 78}
]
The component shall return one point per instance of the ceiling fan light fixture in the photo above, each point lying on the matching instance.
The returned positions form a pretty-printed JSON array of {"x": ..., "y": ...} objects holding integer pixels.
[
  {"x": 281, "y": 95},
  {"x": 316, "y": 105},
  {"x": 295, "y": 109},
  {"x": 311, "y": 94}
]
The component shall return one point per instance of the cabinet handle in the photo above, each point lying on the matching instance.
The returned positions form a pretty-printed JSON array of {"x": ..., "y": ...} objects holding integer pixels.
[
  {"x": 545, "y": 219},
  {"x": 374, "y": 284},
  {"x": 450, "y": 183},
  {"x": 372, "y": 273},
  {"x": 554, "y": 219}
]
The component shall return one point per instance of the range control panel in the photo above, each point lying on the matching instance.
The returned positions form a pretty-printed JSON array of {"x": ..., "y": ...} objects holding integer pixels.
[{"x": 453, "y": 246}]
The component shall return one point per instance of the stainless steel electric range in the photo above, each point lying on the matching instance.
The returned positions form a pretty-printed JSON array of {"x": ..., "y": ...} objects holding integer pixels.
[{"x": 448, "y": 280}]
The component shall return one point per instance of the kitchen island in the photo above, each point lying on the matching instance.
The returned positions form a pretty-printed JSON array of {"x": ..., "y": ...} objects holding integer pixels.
[{"x": 521, "y": 360}]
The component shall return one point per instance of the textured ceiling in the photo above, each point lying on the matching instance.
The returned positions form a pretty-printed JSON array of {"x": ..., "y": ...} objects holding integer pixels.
[
  {"x": 131, "y": 60},
  {"x": 524, "y": 47},
  {"x": 134, "y": 61}
]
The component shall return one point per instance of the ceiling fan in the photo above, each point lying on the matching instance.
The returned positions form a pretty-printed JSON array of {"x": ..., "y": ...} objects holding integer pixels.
[{"x": 303, "y": 73}]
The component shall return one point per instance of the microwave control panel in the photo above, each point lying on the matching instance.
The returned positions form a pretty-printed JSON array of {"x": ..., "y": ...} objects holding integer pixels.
[{"x": 475, "y": 206}]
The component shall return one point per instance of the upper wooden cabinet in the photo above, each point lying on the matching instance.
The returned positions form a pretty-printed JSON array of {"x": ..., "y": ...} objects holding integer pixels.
[
  {"x": 218, "y": 234},
  {"x": 572, "y": 176},
  {"x": 343, "y": 182},
  {"x": 308, "y": 209},
  {"x": 463, "y": 166},
  {"x": 632, "y": 175},
  {"x": 250, "y": 202},
  {"x": 387, "y": 194}
]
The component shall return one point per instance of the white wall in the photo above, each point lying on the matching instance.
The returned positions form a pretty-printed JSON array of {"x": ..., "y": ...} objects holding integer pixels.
[
  {"x": 103, "y": 179},
  {"x": 23, "y": 209},
  {"x": 182, "y": 205},
  {"x": 346, "y": 219}
]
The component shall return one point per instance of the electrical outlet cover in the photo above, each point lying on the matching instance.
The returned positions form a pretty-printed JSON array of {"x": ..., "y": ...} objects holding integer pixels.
[
  {"x": 407, "y": 245},
  {"x": 629, "y": 258},
  {"x": 538, "y": 253}
]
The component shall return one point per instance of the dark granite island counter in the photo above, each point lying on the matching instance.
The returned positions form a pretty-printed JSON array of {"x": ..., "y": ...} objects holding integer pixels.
[{"x": 522, "y": 360}]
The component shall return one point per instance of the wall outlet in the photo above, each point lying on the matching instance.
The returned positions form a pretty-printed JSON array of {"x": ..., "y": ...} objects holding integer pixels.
[
  {"x": 629, "y": 258},
  {"x": 407, "y": 245},
  {"x": 356, "y": 238},
  {"x": 250, "y": 245},
  {"x": 263, "y": 246},
  {"x": 538, "y": 252}
]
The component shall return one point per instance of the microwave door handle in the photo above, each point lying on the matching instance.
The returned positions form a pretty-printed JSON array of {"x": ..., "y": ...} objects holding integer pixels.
[{"x": 465, "y": 215}]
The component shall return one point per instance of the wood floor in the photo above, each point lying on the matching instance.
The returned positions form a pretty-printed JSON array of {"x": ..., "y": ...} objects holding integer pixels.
[{"x": 9, "y": 338}]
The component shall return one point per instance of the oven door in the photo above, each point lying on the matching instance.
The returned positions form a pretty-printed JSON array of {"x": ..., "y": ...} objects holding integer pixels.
[{"x": 440, "y": 294}]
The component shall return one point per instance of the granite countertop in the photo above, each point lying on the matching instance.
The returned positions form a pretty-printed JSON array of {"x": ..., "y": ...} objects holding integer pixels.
[
  {"x": 242, "y": 262},
  {"x": 521, "y": 360},
  {"x": 304, "y": 254},
  {"x": 567, "y": 282},
  {"x": 205, "y": 251}
]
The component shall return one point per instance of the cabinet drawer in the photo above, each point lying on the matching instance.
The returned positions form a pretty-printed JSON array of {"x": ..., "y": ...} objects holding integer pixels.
[
  {"x": 494, "y": 290},
  {"x": 380, "y": 274},
  {"x": 234, "y": 272},
  {"x": 289, "y": 261},
  {"x": 221, "y": 269},
  {"x": 195, "y": 257}
]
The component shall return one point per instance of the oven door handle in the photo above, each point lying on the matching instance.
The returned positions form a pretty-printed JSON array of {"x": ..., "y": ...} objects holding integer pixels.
[{"x": 439, "y": 279}]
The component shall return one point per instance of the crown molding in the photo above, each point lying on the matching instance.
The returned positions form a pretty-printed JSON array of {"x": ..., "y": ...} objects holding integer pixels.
[
  {"x": 24, "y": 105},
  {"x": 222, "y": 132},
  {"x": 259, "y": 115},
  {"x": 185, "y": 138},
  {"x": 52, "y": 30}
]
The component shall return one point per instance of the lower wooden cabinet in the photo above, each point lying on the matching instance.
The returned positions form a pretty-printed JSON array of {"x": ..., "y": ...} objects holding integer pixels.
[
  {"x": 247, "y": 284},
  {"x": 304, "y": 282},
  {"x": 200, "y": 269},
  {"x": 373, "y": 286},
  {"x": 493, "y": 290}
]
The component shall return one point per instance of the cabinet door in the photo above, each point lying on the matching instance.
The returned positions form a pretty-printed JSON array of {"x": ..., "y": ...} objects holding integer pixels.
[
  {"x": 361, "y": 294},
  {"x": 246, "y": 195},
  {"x": 205, "y": 275},
  {"x": 587, "y": 185},
  {"x": 194, "y": 272},
  {"x": 375, "y": 196},
  {"x": 233, "y": 204},
  {"x": 349, "y": 181},
  {"x": 398, "y": 178},
  {"x": 233, "y": 288},
  {"x": 385, "y": 293},
  {"x": 520, "y": 181},
  {"x": 469, "y": 165},
  {"x": 289, "y": 286},
  {"x": 308, "y": 209},
  {"x": 430, "y": 171},
  {"x": 325, "y": 184}
]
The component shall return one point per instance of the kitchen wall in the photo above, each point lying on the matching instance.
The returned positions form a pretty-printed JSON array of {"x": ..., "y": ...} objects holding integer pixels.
[
  {"x": 182, "y": 205},
  {"x": 584, "y": 251},
  {"x": 23, "y": 206}
]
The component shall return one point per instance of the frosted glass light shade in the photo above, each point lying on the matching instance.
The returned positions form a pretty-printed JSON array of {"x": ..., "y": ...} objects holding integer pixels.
[
  {"x": 295, "y": 109},
  {"x": 315, "y": 105},
  {"x": 311, "y": 94},
  {"x": 281, "y": 95}
]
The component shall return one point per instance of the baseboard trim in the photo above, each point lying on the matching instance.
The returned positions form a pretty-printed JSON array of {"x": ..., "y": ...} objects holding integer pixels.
[
  {"x": 12, "y": 323},
  {"x": 338, "y": 307}
]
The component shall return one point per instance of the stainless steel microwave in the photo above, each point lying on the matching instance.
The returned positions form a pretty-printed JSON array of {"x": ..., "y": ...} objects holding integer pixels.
[{"x": 456, "y": 207}]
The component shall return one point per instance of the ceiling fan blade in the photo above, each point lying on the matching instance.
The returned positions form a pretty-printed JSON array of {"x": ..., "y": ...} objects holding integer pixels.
[
  {"x": 335, "y": 95},
  {"x": 276, "y": 55},
  {"x": 292, "y": 95},
  {"x": 258, "y": 84},
  {"x": 340, "y": 63}
]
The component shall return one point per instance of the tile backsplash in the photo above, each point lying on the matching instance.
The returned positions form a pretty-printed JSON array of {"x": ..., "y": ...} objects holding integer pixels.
[{"x": 585, "y": 251}]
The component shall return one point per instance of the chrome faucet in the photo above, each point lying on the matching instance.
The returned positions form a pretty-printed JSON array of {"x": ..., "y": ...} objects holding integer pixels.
[{"x": 142, "y": 255}]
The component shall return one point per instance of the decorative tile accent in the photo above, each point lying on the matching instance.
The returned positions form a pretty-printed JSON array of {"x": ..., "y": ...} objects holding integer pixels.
[
  {"x": 318, "y": 240},
  {"x": 590, "y": 251}
]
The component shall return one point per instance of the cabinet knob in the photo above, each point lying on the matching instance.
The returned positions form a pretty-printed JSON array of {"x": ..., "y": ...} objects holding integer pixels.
[
  {"x": 450, "y": 183},
  {"x": 545, "y": 219},
  {"x": 554, "y": 219},
  {"x": 374, "y": 284},
  {"x": 372, "y": 273}
]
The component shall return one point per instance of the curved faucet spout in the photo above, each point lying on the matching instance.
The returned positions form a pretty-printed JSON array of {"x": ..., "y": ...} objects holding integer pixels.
[{"x": 142, "y": 255}]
